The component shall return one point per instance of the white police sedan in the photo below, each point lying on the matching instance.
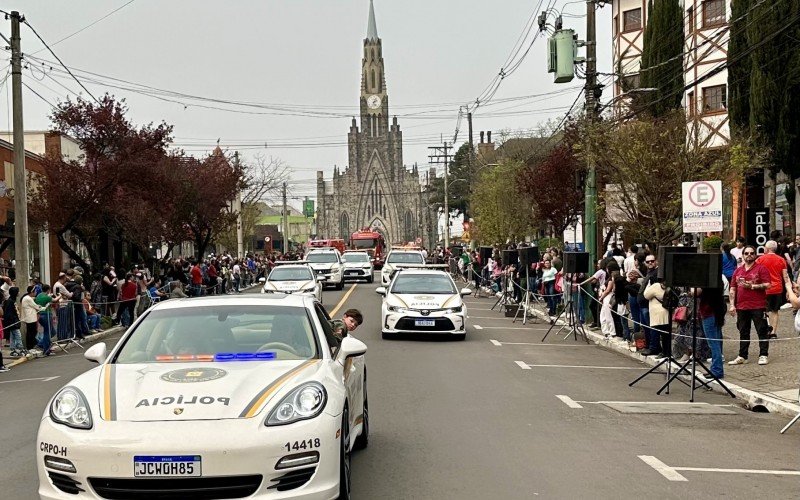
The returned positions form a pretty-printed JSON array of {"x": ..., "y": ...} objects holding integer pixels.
[
  {"x": 423, "y": 301},
  {"x": 217, "y": 397},
  {"x": 297, "y": 277}
]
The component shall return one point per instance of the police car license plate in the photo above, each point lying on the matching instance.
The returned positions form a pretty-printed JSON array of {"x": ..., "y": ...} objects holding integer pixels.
[
  {"x": 167, "y": 466},
  {"x": 425, "y": 322}
]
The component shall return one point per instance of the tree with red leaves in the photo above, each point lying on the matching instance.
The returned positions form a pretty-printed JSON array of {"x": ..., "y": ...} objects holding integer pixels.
[
  {"x": 550, "y": 182},
  {"x": 115, "y": 186}
]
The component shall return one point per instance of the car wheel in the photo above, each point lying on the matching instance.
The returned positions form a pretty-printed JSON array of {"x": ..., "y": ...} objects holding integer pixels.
[
  {"x": 460, "y": 336},
  {"x": 370, "y": 279},
  {"x": 344, "y": 457},
  {"x": 363, "y": 439},
  {"x": 340, "y": 285}
]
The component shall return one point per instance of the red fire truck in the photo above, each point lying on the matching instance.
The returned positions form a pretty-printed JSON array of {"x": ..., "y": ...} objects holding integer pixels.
[
  {"x": 372, "y": 242},
  {"x": 337, "y": 244}
]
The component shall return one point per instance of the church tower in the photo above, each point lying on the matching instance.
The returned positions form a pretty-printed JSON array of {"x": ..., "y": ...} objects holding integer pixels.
[{"x": 375, "y": 191}]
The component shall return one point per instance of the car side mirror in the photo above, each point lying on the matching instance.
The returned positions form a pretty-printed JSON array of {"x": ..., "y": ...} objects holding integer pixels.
[
  {"x": 381, "y": 290},
  {"x": 350, "y": 348},
  {"x": 465, "y": 292},
  {"x": 97, "y": 353},
  {"x": 262, "y": 280}
]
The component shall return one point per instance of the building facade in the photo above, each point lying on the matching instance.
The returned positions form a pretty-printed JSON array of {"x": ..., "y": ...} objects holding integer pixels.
[{"x": 375, "y": 190}]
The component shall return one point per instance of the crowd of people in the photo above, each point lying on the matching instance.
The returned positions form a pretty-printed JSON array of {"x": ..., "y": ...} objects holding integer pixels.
[{"x": 627, "y": 298}]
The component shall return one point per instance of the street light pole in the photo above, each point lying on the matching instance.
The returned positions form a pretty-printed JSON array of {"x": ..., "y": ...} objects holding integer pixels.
[
  {"x": 590, "y": 208},
  {"x": 20, "y": 188}
]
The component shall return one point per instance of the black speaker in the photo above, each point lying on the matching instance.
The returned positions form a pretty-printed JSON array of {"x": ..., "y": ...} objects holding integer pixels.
[
  {"x": 528, "y": 256},
  {"x": 576, "y": 262},
  {"x": 703, "y": 270},
  {"x": 509, "y": 257},
  {"x": 664, "y": 262},
  {"x": 485, "y": 255}
]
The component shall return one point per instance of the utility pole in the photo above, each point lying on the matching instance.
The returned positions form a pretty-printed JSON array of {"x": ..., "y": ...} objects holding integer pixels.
[
  {"x": 239, "y": 220},
  {"x": 20, "y": 189},
  {"x": 443, "y": 157},
  {"x": 285, "y": 222},
  {"x": 590, "y": 207}
]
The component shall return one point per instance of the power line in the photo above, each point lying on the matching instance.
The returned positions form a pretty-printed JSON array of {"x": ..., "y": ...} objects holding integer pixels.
[{"x": 88, "y": 25}]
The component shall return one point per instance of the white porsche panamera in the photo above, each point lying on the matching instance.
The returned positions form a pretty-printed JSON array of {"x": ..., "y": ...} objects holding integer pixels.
[
  {"x": 423, "y": 301},
  {"x": 218, "y": 397}
]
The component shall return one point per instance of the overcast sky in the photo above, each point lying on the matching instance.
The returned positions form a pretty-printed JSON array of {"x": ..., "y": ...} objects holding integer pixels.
[{"x": 304, "y": 57}]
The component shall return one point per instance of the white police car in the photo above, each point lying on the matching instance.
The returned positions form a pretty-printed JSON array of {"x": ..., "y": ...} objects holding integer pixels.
[
  {"x": 400, "y": 259},
  {"x": 358, "y": 265},
  {"x": 327, "y": 262},
  {"x": 423, "y": 301},
  {"x": 294, "y": 277},
  {"x": 211, "y": 397}
]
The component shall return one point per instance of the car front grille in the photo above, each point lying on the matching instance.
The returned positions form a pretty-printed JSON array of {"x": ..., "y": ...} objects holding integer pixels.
[
  {"x": 440, "y": 325},
  {"x": 196, "y": 488},
  {"x": 65, "y": 483},
  {"x": 293, "y": 479}
]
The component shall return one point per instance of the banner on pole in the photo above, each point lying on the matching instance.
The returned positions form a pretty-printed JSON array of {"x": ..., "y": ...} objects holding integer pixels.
[
  {"x": 702, "y": 206},
  {"x": 758, "y": 228}
]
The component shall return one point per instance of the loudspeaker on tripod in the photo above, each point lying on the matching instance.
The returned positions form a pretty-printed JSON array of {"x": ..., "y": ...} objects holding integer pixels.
[
  {"x": 664, "y": 262},
  {"x": 485, "y": 255},
  {"x": 509, "y": 257},
  {"x": 528, "y": 256},
  {"x": 701, "y": 270},
  {"x": 576, "y": 262}
]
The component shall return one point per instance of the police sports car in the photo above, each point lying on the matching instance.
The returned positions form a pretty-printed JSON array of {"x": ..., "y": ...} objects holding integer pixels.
[
  {"x": 423, "y": 301},
  {"x": 217, "y": 397},
  {"x": 296, "y": 277},
  {"x": 400, "y": 259}
]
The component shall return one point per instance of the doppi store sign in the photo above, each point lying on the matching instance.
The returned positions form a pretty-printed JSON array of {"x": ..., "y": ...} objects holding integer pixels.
[{"x": 702, "y": 206}]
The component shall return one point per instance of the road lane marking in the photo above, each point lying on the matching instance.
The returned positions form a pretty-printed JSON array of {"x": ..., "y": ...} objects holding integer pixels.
[
  {"x": 344, "y": 299},
  {"x": 672, "y": 473},
  {"x": 495, "y": 342},
  {"x": 477, "y": 327},
  {"x": 585, "y": 366},
  {"x": 568, "y": 401},
  {"x": 522, "y": 365},
  {"x": 662, "y": 468},
  {"x": 43, "y": 379},
  {"x": 506, "y": 328}
]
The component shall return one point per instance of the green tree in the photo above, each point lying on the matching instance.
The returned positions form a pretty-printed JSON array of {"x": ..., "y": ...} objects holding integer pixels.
[
  {"x": 739, "y": 72},
  {"x": 662, "y": 61},
  {"x": 500, "y": 211}
]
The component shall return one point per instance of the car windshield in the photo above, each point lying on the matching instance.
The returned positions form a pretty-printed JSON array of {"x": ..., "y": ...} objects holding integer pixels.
[
  {"x": 423, "y": 283},
  {"x": 321, "y": 257},
  {"x": 355, "y": 257},
  {"x": 405, "y": 258},
  {"x": 221, "y": 333},
  {"x": 290, "y": 274}
]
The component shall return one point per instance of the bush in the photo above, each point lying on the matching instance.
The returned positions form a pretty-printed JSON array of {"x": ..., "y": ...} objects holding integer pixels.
[
  {"x": 550, "y": 242},
  {"x": 712, "y": 243}
]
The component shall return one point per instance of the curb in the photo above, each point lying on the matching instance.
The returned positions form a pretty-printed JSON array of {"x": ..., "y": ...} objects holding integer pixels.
[
  {"x": 89, "y": 338},
  {"x": 750, "y": 398}
]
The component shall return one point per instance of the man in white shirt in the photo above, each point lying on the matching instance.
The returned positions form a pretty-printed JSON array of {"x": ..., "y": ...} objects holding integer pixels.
[
  {"x": 737, "y": 251},
  {"x": 629, "y": 264},
  {"x": 237, "y": 276}
]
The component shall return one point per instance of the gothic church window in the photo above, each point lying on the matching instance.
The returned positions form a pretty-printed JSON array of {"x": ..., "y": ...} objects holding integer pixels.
[
  {"x": 344, "y": 226},
  {"x": 408, "y": 226},
  {"x": 373, "y": 78}
]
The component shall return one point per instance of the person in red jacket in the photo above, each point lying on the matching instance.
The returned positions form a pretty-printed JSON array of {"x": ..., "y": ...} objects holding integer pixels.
[
  {"x": 775, "y": 264},
  {"x": 197, "y": 279},
  {"x": 127, "y": 297}
]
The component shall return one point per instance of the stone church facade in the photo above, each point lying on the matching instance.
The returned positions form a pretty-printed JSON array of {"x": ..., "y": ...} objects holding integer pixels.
[{"x": 375, "y": 190}]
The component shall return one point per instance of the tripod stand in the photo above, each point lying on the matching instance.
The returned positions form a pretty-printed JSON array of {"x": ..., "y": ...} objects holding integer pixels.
[
  {"x": 573, "y": 323},
  {"x": 694, "y": 362},
  {"x": 791, "y": 423},
  {"x": 524, "y": 305},
  {"x": 504, "y": 297}
]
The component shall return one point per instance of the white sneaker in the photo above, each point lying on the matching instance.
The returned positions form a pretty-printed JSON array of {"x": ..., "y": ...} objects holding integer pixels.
[
  {"x": 683, "y": 359},
  {"x": 762, "y": 360},
  {"x": 738, "y": 361}
]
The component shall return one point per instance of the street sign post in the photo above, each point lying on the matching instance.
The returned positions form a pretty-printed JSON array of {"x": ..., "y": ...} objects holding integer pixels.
[{"x": 702, "y": 206}]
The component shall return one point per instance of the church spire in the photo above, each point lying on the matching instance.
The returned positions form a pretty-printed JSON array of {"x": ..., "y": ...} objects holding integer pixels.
[{"x": 372, "y": 27}]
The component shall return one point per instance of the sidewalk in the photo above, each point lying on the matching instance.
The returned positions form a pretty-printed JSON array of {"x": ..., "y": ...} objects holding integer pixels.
[
  {"x": 12, "y": 362},
  {"x": 775, "y": 386}
]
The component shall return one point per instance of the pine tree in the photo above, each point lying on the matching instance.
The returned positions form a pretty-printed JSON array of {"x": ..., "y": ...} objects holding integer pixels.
[
  {"x": 739, "y": 73},
  {"x": 662, "y": 61}
]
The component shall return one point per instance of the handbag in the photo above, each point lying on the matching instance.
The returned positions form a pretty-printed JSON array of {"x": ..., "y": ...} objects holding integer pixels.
[{"x": 681, "y": 314}]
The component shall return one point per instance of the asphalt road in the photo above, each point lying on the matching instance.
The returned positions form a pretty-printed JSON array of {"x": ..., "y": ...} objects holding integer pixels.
[{"x": 464, "y": 420}]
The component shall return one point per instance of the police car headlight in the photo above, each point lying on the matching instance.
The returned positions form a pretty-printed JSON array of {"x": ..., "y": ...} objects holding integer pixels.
[
  {"x": 397, "y": 309},
  {"x": 70, "y": 408},
  {"x": 453, "y": 310},
  {"x": 308, "y": 290},
  {"x": 305, "y": 402}
]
